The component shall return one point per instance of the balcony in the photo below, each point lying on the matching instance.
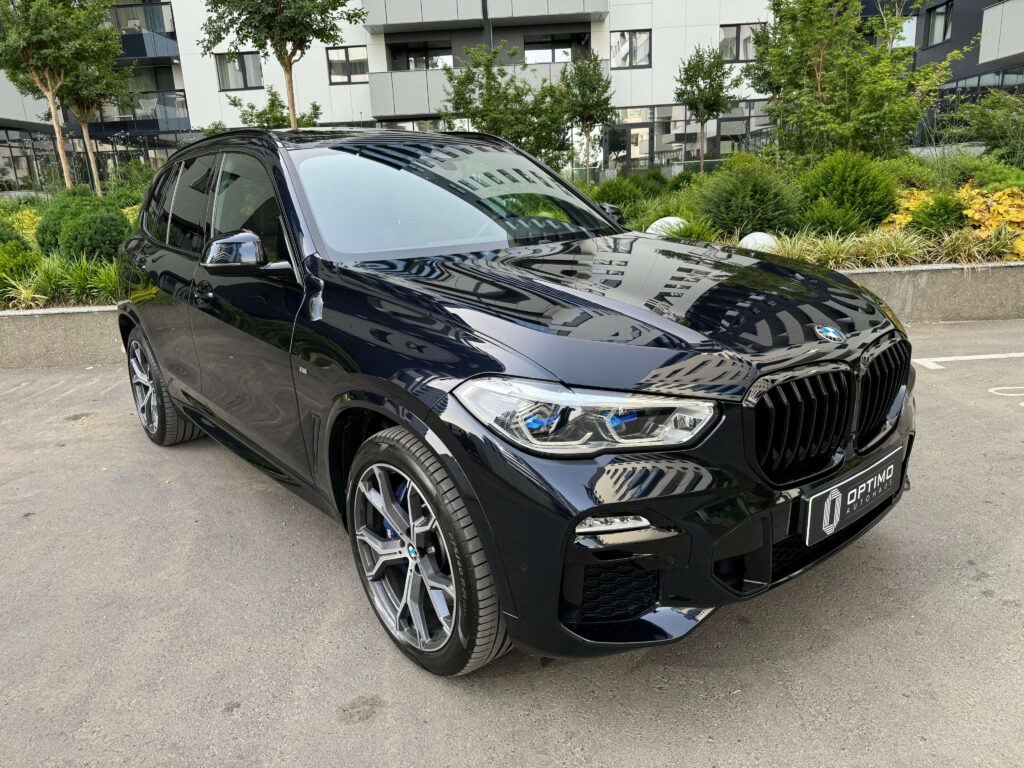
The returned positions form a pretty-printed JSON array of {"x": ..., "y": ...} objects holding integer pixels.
[
  {"x": 1001, "y": 25},
  {"x": 421, "y": 92},
  {"x": 151, "y": 111},
  {"x": 147, "y": 30},
  {"x": 405, "y": 15}
]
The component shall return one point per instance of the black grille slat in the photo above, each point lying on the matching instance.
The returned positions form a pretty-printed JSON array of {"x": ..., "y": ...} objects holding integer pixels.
[
  {"x": 801, "y": 437},
  {"x": 618, "y": 591},
  {"x": 885, "y": 373}
]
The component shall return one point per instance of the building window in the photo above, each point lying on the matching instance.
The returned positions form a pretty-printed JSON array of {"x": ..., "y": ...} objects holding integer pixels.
[
  {"x": 241, "y": 72},
  {"x": 546, "y": 49},
  {"x": 429, "y": 54},
  {"x": 939, "y": 23},
  {"x": 736, "y": 41},
  {"x": 631, "y": 49},
  {"x": 347, "y": 65}
]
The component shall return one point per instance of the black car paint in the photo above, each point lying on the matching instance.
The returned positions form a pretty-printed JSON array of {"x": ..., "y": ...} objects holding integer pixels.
[{"x": 280, "y": 361}]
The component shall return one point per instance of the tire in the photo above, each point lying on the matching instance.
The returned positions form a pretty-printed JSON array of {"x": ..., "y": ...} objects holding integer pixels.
[
  {"x": 161, "y": 420},
  {"x": 450, "y": 571}
]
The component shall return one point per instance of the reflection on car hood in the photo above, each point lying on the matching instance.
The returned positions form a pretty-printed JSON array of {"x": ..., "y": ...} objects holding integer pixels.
[{"x": 636, "y": 311}]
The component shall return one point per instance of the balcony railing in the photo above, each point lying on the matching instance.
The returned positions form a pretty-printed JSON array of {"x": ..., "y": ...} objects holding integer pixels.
[
  {"x": 393, "y": 15},
  {"x": 147, "y": 29},
  {"x": 151, "y": 110},
  {"x": 419, "y": 92}
]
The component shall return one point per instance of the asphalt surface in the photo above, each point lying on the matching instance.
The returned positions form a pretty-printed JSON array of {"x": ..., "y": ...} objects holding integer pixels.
[{"x": 174, "y": 607}]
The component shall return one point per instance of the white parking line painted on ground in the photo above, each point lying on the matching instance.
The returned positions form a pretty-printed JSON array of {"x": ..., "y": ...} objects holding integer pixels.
[
  {"x": 1009, "y": 392},
  {"x": 932, "y": 363}
]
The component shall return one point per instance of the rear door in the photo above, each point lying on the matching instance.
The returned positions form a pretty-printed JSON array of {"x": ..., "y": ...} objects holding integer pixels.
[{"x": 243, "y": 324}]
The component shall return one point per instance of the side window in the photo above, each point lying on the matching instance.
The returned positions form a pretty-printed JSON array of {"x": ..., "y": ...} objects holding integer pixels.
[
  {"x": 245, "y": 200},
  {"x": 188, "y": 217},
  {"x": 158, "y": 211}
]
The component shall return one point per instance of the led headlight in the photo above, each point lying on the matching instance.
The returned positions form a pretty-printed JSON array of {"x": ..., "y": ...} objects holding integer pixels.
[{"x": 549, "y": 418}]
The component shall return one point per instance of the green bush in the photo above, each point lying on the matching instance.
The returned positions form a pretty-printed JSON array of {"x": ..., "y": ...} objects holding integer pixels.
[
  {"x": 64, "y": 206},
  {"x": 127, "y": 184},
  {"x": 617, "y": 191},
  {"x": 943, "y": 214},
  {"x": 855, "y": 181},
  {"x": 95, "y": 234},
  {"x": 681, "y": 180},
  {"x": 824, "y": 216},
  {"x": 699, "y": 228},
  {"x": 910, "y": 171},
  {"x": 745, "y": 197},
  {"x": 9, "y": 234},
  {"x": 49, "y": 281},
  {"x": 17, "y": 261}
]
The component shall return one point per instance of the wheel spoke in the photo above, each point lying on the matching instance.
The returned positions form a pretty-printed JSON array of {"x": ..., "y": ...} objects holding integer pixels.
[
  {"x": 385, "y": 503},
  {"x": 412, "y": 600},
  {"x": 434, "y": 579},
  {"x": 386, "y": 552},
  {"x": 138, "y": 375}
]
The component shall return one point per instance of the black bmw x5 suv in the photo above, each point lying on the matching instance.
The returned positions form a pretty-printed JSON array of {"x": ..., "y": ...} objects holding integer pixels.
[{"x": 539, "y": 428}]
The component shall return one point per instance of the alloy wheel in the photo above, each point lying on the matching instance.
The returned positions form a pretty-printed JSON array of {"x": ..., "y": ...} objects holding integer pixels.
[
  {"x": 143, "y": 388},
  {"x": 405, "y": 558}
]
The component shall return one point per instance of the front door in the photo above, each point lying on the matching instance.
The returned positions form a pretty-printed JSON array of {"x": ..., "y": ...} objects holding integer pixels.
[{"x": 243, "y": 324}]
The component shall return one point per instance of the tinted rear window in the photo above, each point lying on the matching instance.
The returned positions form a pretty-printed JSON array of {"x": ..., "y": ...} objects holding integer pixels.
[{"x": 188, "y": 216}]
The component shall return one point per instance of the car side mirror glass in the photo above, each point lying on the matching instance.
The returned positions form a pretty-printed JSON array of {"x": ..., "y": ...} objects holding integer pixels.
[
  {"x": 241, "y": 249},
  {"x": 614, "y": 213}
]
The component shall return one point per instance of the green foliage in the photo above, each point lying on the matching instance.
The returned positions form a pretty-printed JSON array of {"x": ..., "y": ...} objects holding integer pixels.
[
  {"x": 840, "y": 81},
  {"x": 996, "y": 120},
  {"x": 284, "y": 30},
  {"x": 954, "y": 169},
  {"x": 854, "y": 181},
  {"x": 496, "y": 98},
  {"x": 617, "y": 190},
  {"x": 681, "y": 180},
  {"x": 127, "y": 184},
  {"x": 744, "y": 196},
  {"x": 105, "y": 282},
  {"x": 217, "y": 126},
  {"x": 9, "y": 235},
  {"x": 95, "y": 233},
  {"x": 910, "y": 171},
  {"x": 826, "y": 217},
  {"x": 963, "y": 246},
  {"x": 943, "y": 214},
  {"x": 274, "y": 114},
  {"x": 588, "y": 99},
  {"x": 63, "y": 206},
  {"x": 705, "y": 85},
  {"x": 48, "y": 279},
  {"x": 699, "y": 228},
  {"x": 877, "y": 248},
  {"x": 17, "y": 261}
]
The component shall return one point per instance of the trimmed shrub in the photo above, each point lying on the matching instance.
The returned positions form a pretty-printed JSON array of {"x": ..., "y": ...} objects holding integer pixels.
[
  {"x": 617, "y": 191},
  {"x": 681, "y": 180},
  {"x": 745, "y": 197},
  {"x": 64, "y": 206},
  {"x": 853, "y": 180},
  {"x": 94, "y": 234},
  {"x": 910, "y": 171},
  {"x": 943, "y": 214},
  {"x": 16, "y": 261},
  {"x": 823, "y": 216}
]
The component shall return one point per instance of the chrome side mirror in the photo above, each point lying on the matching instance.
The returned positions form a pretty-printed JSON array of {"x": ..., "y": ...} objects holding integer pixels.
[
  {"x": 614, "y": 213},
  {"x": 234, "y": 250}
]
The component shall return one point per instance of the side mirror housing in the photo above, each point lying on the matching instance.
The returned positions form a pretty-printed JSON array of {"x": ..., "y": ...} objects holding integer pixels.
[
  {"x": 235, "y": 253},
  {"x": 614, "y": 213}
]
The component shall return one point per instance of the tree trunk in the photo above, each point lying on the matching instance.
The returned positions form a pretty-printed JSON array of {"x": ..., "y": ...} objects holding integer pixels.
[
  {"x": 289, "y": 88},
  {"x": 586, "y": 154},
  {"x": 702, "y": 147},
  {"x": 58, "y": 136},
  {"x": 92, "y": 157}
]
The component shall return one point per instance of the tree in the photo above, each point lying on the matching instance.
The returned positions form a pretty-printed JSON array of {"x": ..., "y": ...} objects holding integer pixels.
[
  {"x": 273, "y": 115},
  {"x": 92, "y": 84},
  {"x": 284, "y": 28},
  {"x": 495, "y": 98},
  {"x": 588, "y": 98},
  {"x": 705, "y": 86},
  {"x": 840, "y": 81},
  {"x": 43, "y": 42}
]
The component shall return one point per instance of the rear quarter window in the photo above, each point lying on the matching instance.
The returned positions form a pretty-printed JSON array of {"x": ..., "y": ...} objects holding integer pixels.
[{"x": 158, "y": 211}]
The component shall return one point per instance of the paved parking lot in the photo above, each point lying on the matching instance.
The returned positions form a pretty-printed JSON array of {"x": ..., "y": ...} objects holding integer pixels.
[{"x": 174, "y": 607}]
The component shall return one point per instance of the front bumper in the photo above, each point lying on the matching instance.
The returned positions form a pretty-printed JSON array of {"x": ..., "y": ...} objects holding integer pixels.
[{"x": 727, "y": 535}]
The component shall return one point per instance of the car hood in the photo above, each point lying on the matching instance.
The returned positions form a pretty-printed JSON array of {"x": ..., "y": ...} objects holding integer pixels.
[{"x": 638, "y": 312}]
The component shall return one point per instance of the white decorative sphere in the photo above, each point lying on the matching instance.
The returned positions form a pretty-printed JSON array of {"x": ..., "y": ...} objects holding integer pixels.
[
  {"x": 664, "y": 224},
  {"x": 760, "y": 241}
]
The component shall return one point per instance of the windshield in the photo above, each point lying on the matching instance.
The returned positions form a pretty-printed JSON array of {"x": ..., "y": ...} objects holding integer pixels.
[{"x": 423, "y": 197}]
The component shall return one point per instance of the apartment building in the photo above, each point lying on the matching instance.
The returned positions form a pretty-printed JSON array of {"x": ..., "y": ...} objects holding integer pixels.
[{"x": 388, "y": 69}]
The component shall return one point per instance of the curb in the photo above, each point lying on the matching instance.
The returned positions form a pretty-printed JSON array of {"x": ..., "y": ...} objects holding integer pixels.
[{"x": 59, "y": 337}]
